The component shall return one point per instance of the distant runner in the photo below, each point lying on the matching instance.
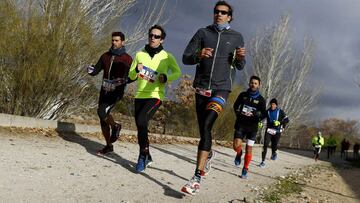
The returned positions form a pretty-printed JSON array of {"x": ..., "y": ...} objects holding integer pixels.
[
  {"x": 317, "y": 142},
  {"x": 276, "y": 123}
]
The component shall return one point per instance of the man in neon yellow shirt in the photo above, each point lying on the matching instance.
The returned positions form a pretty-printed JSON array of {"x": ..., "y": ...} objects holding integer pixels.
[
  {"x": 317, "y": 142},
  {"x": 151, "y": 68}
]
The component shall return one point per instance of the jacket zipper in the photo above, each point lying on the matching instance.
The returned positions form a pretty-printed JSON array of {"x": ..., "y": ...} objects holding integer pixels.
[
  {"x": 231, "y": 78},
  {"x": 111, "y": 63},
  {"x": 213, "y": 64},
  {"x": 231, "y": 70}
]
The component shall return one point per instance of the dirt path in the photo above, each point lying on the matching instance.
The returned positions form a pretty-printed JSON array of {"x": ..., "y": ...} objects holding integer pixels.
[
  {"x": 65, "y": 168},
  {"x": 328, "y": 183}
]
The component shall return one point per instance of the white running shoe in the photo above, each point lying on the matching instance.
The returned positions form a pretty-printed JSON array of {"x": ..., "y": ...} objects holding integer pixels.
[
  {"x": 192, "y": 187},
  {"x": 210, "y": 158}
]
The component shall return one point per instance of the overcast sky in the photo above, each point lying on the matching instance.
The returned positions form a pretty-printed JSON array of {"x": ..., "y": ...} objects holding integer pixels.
[{"x": 334, "y": 26}]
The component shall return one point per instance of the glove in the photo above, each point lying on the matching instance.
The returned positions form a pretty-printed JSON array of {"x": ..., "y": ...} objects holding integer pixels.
[
  {"x": 257, "y": 114},
  {"x": 162, "y": 78},
  {"x": 277, "y": 123},
  {"x": 90, "y": 69},
  {"x": 260, "y": 125}
]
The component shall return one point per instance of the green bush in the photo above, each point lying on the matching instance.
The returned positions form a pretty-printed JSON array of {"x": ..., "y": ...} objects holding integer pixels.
[{"x": 48, "y": 49}]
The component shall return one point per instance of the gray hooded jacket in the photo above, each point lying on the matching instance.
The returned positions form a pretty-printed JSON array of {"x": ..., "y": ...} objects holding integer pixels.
[{"x": 218, "y": 71}]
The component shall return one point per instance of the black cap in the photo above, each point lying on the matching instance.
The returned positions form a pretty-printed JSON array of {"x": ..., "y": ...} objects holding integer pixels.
[{"x": 273, "y": 101}]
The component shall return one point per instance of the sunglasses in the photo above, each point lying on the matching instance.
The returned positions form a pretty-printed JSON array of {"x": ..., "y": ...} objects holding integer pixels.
[
  {"x": 220, "y": 11},
  {"x": 155, "y": 36}
]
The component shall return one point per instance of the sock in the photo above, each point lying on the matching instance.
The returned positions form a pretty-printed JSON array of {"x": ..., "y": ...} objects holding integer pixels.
[
  {"x": 238, "y": 150},
  {"x": 263, "y": 156},
  {"x": 145, "y": 151},
  {"x": 199, "y": 173},
  {"x": 248, "y": 157},
  {"x": 115, "y": 126}
]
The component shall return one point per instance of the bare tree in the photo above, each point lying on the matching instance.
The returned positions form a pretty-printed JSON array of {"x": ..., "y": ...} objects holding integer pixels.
[
  {"x": 104, "y": 15},
  {"x": 59, "y": 37},
  {"x": 283, "y": 71}
]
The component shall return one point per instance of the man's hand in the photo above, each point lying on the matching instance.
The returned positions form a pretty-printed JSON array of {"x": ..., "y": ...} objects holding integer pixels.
[
  {"x": 205, "y": 53},
  {"x": 250, "y": 114},
  {"x": 162, "y": 78},
  {"x": 240, "y": 53},
  {"x": 90, "y": 69},
  {"x": 139, "y": 67}
]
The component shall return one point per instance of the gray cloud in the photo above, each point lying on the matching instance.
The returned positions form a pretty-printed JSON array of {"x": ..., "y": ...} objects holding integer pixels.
[{"x": 333, "y": 25}]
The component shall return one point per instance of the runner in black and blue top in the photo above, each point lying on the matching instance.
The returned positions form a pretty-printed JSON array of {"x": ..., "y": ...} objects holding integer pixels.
[
  {"x": 250, "y": 110},
  {"x": 276, "y": 123}
]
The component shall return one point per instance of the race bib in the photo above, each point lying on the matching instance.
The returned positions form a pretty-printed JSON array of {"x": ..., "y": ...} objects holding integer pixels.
[
  {"x": 317, "y": 146},
  {"x": 148, "y": 74},
  {"x": 119, "y": 81},
  {"x": 108, "y": 85},
  {"x": 271, "y": 131},
  {"x": 203, "y": 92},
  {"x": 247, "y": 110}
]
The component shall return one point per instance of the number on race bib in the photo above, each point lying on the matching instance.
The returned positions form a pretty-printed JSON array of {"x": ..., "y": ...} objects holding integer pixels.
[
  {"x": 247, "y": 110},
  {"x": 148, "y": 74},
  {"x": 271, "y": 131},
  {"x": 203, "y": 92},
  {"x": 108, "y": 85}
]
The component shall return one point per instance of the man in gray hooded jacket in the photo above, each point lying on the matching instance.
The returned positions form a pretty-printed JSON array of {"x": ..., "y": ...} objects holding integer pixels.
[{"x": 216, "y": 50}]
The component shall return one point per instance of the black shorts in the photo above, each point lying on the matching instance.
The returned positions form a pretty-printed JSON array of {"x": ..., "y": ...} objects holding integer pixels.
[
  {"x": 111, "y": 97},
  {"x": 107, "y": 101},
  {"x": 317, "y": 150},
  {"x": 243, "y": 133}
]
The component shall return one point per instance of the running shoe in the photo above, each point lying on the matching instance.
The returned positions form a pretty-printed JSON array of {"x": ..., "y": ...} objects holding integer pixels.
[
  {"x": 143, "y": 162},
  {"x": 262, "y": 165},
  {"x": 274, "y": 156},
  {"x": 210, "y": 158},
  {"x": 106, "y": 149},
  {"x": 115, "y": 133},
  {"x": 192, "y": 187},
  {"x": 237, "y": 160},
  {"x": 244, "y": 173}
]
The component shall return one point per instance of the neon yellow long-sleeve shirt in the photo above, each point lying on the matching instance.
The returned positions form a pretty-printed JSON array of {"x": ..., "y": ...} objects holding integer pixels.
[
  {"x": 317, "y": 140},
  {"x": 148, "y": 85}
]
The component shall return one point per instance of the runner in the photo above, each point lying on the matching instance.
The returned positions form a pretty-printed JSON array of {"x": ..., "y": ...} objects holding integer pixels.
[
  {"x": 317, "y": 142},
  {"x": 250, "y": 110},
  {"x": 115, "y": 65},
  {"x": 345, "y": 146},
  {"x": 330, "y": 145},
  {"x": 276, "y": 123},
  {"x": 356, "y": 151},
  {"x": 217, "y": 50},
  {"x": 151, "y": 68}
]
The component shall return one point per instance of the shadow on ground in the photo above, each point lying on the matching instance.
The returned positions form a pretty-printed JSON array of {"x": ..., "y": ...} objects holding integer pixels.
[
  {"x": 349, "y": 171},
  {"x": 67, "y": 132}
]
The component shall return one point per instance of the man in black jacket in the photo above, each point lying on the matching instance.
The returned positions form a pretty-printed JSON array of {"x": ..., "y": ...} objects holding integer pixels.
[
  {"x": 250, "y": 109},
  {"x": 275, "y": 125},
  {"x": 115, "y": 65},
  {"x": 216, "y": 50}
]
